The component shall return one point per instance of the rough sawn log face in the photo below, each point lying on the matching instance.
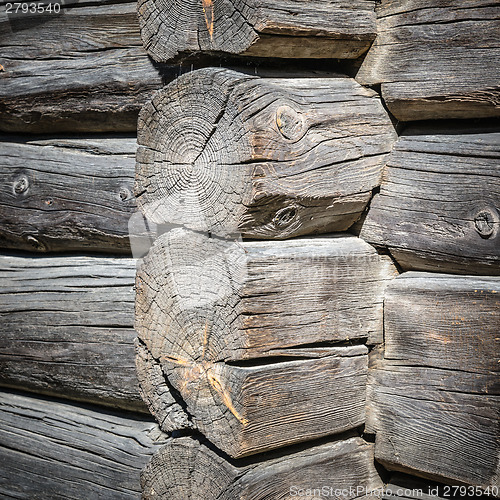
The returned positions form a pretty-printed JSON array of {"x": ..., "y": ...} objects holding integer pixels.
[
  {"x": 66, "y": 328},
  {"x": 67, "y": 194},
  {"x": 438, "y": 207},
  {"x": 224, "y": 152},
  {"x": 185, "y": 468},
  {"x": 436, "y": 59},
  {"x": 290, "y": 29},
  {"x": 83, "y": 70},
  {"x": 434, "y": 397},
  {"x": 253, "y": 338},
  {"x": 53, "y": 450}
]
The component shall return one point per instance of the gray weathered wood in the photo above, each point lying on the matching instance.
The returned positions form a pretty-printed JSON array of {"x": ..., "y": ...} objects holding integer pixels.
[
  {"x": 189, "y": 470},
  {"x": 53, "y": 450},
  {"x": 226, "y": 152},
  {"x": 81, "y": 70},
  {"x": 435, "y": 396},
  {"x": 66, "y": 328},
  {"x": 436, "y": 59},
  {"x": 438, "y": 205},
  {"x": 67, "y": 194},
  {"x": 284, "y": 28},
  {"x": 250, "y": 299},
  {"x": 253, "y": 338}
]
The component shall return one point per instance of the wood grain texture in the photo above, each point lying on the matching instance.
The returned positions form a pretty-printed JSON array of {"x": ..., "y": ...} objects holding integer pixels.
[
  {"x": 438, "y": 205},
  {"x": 52, "y": 450},
  {"x": 436, "y": 59},
  {"x": 67, "y": 194},
  {"x": 285, "y": 28},
  {"x": 252, "y": 299},
  {"x": 225, "y": 152},
  {"x": 188, "y": 469},
  {"x": 435, "y": 396},
  {"x": 83, "y": 70},
  {"x": 235, "y": 324},
  {"x": 66, "y": 328}
]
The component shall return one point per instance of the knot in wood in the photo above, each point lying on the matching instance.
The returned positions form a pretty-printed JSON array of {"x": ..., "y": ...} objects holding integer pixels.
[
  {"x": 289, "y": 122},
  {"x": 284, "y": 217},
  {"x": 21, "y": 185},
  {"x": 484, "y": 223},
  {"x": 36, "y": 244},
  {"x": 124, "y": 194}
]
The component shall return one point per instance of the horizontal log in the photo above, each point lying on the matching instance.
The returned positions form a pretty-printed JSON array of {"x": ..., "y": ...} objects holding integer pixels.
[
  {"x": 225, "y": 152},
  {"x": 66, "y": 328},
  {"x": 255, "y": 299},
  {"x": 435, "y": 60},
  {"x": 82, "y": 70},
  {"x": 67, "y": 194},
  {"x": 438, "y": 205},
  {"x": 179, "y": 470},
  {"x": 318, "y": 29},
  {"x": 52, "y": 449},
  {"x": 225, "y": 325},
  {"x": 435, "y": 396}
]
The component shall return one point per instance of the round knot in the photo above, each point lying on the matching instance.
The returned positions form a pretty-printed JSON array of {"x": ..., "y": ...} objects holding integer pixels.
[
  {"x": 485, "y": 223},
  {"x": 21, "y": 185},
  {"x": 289, "y": 122}
]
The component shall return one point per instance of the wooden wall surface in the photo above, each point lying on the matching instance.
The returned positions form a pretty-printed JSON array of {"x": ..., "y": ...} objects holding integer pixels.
[
  {"x": 51, "y": 449},
  {"x": 82, "y": 70}
]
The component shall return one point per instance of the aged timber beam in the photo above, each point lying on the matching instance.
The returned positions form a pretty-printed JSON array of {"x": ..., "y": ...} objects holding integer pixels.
[
  {"x": 189, "y": 469},
  {"x": 225, "y": 152},
  {"x": 66, "y": 328},
  {"x": 436, "y": 59},
  {"x": 315, "y": 29},
  {"x": 55, "y": 449},
  {"x": 67, "y": 194},
  {"x": 259, "y": 340},
  {"x": 438, "y": 204},
  {"x": 82, "y": 69},
  {"x": 434, "y": 394}
]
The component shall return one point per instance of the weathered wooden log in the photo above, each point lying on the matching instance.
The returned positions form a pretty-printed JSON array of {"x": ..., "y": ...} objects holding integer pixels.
[
  {"x": 67, "y": 194},
  {"x": 81, "y": 70},
  {"x": 435, "y": 60},
  {"x": 318, "y": 29},
  {"x": 50, "y": 449},
  {"x": 188, "y": 469},
  {"x": 253, "y": 338},
  {"x": 66, "y": 328},
  {"x": 258, "y": 298},
  {"x": 438, "y": 205},
  {"x": 225, "y": 152},
  {"x": 435, "y": 397}
]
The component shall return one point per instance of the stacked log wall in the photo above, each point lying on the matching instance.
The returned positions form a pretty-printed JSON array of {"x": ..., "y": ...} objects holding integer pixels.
[{"x": 270, "y": 355}]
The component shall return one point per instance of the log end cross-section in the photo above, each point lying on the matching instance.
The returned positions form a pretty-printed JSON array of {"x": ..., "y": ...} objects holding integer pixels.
[{"x": 224, "y": 152}]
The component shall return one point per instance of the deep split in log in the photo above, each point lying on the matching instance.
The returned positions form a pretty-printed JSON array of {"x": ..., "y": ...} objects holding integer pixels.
[
  {"x": 436, "y": 59},
  {"x": 224, "y": 152},
  {"x": 188, "y": 469},
  {"x": 435, "y": 396},
  {"x": 251, "y": 336},
  {"x": 66, "y": 328},
  {"x": 438, "y": 204},
  {"x": 315, "y": 29}
]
